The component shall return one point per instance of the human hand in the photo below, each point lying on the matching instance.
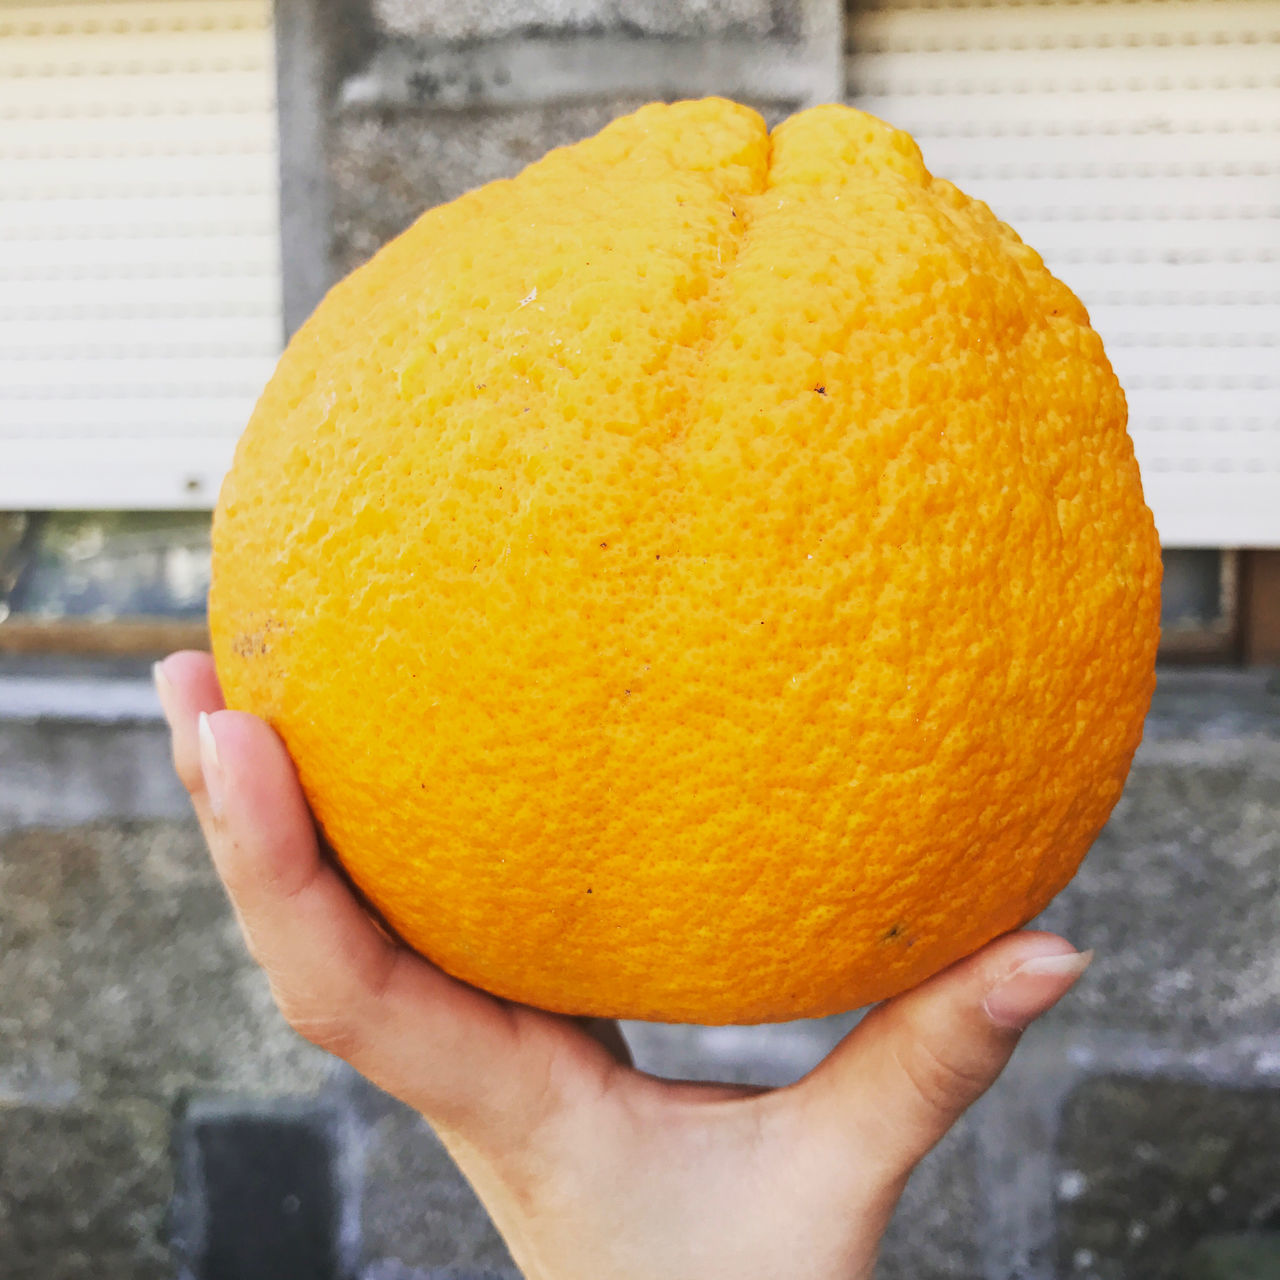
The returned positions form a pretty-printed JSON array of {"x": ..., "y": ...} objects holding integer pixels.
[{"x": 590, "y": 1169}]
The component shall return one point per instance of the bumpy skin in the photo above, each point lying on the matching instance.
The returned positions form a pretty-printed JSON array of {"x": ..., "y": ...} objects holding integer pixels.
[{"x": 705, "y": 578}]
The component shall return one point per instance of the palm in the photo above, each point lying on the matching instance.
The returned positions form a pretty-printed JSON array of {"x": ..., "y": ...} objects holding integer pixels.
[{"x": 738, "y": 1164}]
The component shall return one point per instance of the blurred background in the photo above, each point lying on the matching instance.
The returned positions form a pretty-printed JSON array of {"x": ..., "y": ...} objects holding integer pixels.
[{"x": 181, "y": 180}]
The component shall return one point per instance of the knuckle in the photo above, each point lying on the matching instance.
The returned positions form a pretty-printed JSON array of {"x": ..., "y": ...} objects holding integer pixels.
[
  {"x": 945, "y": 1083},
  {"x": 257, "y": 952},
  {"x": 328, "y": 1029},
  {"x": 334, "y": 1035}
]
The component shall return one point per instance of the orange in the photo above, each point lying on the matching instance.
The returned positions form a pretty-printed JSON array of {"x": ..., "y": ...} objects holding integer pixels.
[{"x": 704, "y": 578}]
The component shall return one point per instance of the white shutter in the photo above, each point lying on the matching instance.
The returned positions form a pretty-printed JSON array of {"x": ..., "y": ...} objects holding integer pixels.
[
  {"x": 139, "y": 247},
  {"x": 1137, "y": 146}
]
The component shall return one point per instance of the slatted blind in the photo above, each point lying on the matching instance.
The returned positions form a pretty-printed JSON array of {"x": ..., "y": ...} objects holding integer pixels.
[
  {"x": 1136, "y": 144},
  {"x": 139, "y": 246}
]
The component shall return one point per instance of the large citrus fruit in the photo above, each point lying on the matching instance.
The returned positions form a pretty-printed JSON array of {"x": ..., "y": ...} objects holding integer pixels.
[{"x": 704, "y": 578}]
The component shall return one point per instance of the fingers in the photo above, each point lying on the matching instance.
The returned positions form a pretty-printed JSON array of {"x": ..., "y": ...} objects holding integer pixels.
[
  {"x": 911, "y": 1068},
  {"x": 326, "y": 960},
  {"x": 186, "y": 685},
  {"x": 462, "y": 1058}
]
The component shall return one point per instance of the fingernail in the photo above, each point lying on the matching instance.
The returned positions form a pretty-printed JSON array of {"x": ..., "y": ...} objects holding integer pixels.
[
  {"x": 163, "y": 686},
  {"x": 1033, "y": 988},
  {"x": 210, "y": 766}
]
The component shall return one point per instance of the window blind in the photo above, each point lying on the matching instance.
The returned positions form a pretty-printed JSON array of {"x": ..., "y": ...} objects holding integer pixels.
[
  {"x": 139, "y": 247},
  {"x": 1136, "y": 144}
]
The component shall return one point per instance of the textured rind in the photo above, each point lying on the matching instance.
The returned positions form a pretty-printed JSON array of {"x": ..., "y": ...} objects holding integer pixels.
[{"x": 705, "y": 578}]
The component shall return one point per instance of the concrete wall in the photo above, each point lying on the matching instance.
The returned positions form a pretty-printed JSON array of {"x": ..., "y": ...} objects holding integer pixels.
[
  {"x": 151, "y": 1101},
  {"x": 156, "y": 1117},
  {"x": 388, "y": 106}
]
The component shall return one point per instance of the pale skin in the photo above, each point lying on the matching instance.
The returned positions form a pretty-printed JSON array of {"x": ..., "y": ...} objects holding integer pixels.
[{"x": 591, "y": 1169}]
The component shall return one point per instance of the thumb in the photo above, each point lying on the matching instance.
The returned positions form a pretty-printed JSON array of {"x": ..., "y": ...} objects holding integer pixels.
[{"x": 911, "y": 1068}]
